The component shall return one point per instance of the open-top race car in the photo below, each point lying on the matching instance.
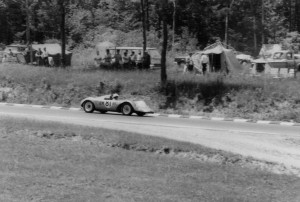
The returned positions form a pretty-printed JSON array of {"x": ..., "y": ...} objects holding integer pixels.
[{"x": 107, "y": 103}]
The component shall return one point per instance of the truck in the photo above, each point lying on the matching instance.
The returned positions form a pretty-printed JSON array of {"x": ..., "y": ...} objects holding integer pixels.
[
  {"x": 282, "y": 63},
  {"x": 285, "y": 59}
]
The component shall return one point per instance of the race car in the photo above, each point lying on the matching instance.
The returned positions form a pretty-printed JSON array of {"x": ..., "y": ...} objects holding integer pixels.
[{"x": 107, "y": 103}]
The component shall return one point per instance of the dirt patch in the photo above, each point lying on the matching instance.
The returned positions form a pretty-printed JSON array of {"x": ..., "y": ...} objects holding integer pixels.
[{"x": 219, "y": 157}]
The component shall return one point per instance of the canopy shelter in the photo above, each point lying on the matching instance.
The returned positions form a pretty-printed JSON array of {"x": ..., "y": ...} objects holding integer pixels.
[
  {"x": 222, "y": 59},
  {"x": 54, "y": 51}
]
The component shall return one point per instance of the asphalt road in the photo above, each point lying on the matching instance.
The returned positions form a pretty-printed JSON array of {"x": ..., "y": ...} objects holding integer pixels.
[{"x": 274, "y": 143}]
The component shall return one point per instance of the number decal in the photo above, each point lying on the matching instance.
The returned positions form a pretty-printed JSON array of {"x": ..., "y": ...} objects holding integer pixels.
[{"x": 107, "y": 104}]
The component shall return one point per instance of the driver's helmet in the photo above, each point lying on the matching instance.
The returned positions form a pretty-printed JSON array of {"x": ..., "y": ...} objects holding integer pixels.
[{"x": 115, "y": 96}]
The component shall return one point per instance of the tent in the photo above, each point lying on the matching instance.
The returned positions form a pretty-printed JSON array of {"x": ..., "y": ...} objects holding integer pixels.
[
  {"x": 102, "y": 47},
  {"x": 54, "y": 51},
  {"x": 222, "y": 59},
  {"x": 267, "y": 50}
]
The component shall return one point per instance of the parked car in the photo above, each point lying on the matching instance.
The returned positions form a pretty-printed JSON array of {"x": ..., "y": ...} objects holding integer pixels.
[
  {"x": 111, "y": 103},
  {"x": 181, "y": 59}
]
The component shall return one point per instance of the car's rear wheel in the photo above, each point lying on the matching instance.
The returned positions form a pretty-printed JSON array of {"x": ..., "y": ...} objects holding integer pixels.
[
  {"x": 127, "y": 109},
  {"x": 88, "y": 107},
  {"x": 103, "y": 111},
  {"x": 140, "y": 113}
]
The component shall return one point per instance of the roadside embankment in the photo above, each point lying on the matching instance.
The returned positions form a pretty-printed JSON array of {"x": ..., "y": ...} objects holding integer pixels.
[{"x": 260, "y": 98}]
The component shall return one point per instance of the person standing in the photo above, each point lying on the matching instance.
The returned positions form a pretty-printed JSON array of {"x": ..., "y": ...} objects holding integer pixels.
[
  {"x": 97, "y": 59},
  {"x": 118, "y": 59},
  {"x": 139, "y": 60},
  {"x": 38, "y": 56},
  {"x": 10, "y": 53},
  {"x": 4, "y": 59},
  {"x": 190, "y": 63},
  {"x": 107, "y": 57},
  {"x": 204, "y": 60},
  {"x": 146, "y": 60},
  {"x": 45, "y": 56},
  {"x": 133, "y": 59},
  {"x": 126, "y": 61}
]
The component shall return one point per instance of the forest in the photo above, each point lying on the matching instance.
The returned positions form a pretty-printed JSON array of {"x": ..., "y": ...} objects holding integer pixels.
[{"x": 190, "y": 24}]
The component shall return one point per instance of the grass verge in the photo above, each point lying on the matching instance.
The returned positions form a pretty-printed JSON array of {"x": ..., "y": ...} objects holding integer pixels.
[
  {"x": 242, "y": 96},
  {"x": 44, "y": 161}
]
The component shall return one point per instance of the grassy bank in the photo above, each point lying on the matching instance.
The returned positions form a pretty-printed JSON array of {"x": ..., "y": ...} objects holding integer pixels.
[
  {"x": 54, "y": 162},
  {"x": 213, "y": 95}
]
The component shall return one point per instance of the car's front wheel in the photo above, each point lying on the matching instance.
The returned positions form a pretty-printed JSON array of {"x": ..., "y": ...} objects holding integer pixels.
[
  {"x": 127, "y": 109},
  {"x": 88, "y": 107}
]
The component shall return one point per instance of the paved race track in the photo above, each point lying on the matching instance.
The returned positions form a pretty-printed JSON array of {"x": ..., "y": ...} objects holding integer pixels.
[{"x": 275, "y": 143}]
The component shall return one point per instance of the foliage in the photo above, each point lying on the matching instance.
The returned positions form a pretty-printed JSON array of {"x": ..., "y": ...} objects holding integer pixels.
[
  {"x": 197, "y": 23},
  {"x": 292, "y": 41}
]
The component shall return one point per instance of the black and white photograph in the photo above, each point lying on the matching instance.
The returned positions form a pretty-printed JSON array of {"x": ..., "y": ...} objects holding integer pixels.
[{"x": 149, "y": 100}]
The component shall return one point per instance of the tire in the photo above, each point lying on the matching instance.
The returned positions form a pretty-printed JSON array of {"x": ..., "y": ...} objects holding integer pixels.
[
  {"x": 103, "y": 111},
  {"x": 127, "y": 109},
  {"x": 89, "y": 107},
  {"x": 140, "y": 113}
]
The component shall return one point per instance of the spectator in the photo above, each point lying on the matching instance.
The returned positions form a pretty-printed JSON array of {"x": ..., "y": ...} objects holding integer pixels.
[
  {"x": 146, "y": 60},
  {"x": 107, "y": 57},
  {"x": 38, "y": 56},
  {"x": 204, "y": 61},
  {"x": 10, "y": 53},
  {"x": 4, "y": 59},
  {"x": 118, "y": 60},
  {"x": 126, "y": 61},
  {"x": 98, "y": 60},
  {"x": 45, "y": 56},
  {"x": 133, "y": 59},
  {"x": 139, "y": 61},
  {"x": 189, "y": 63}
]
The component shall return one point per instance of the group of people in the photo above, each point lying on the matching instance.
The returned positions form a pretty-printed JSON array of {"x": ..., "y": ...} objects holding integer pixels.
[
  {"x": 8, "y": 57},
  {"x": 126, "y": 61},
  {"x": 42, "y": 57},
  {"x": 202, "y": 66}
]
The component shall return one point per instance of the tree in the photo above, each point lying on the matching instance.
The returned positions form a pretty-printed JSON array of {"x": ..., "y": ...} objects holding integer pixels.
[
  {"x": 163, "y": 75},
  {"x": 62, "y": 8},
  {"x": 174, "y": 24},
  {"x": 263, "y": 21},
  {"x": 144, "y": 26},
  {"x": 226, "y": 20}
]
